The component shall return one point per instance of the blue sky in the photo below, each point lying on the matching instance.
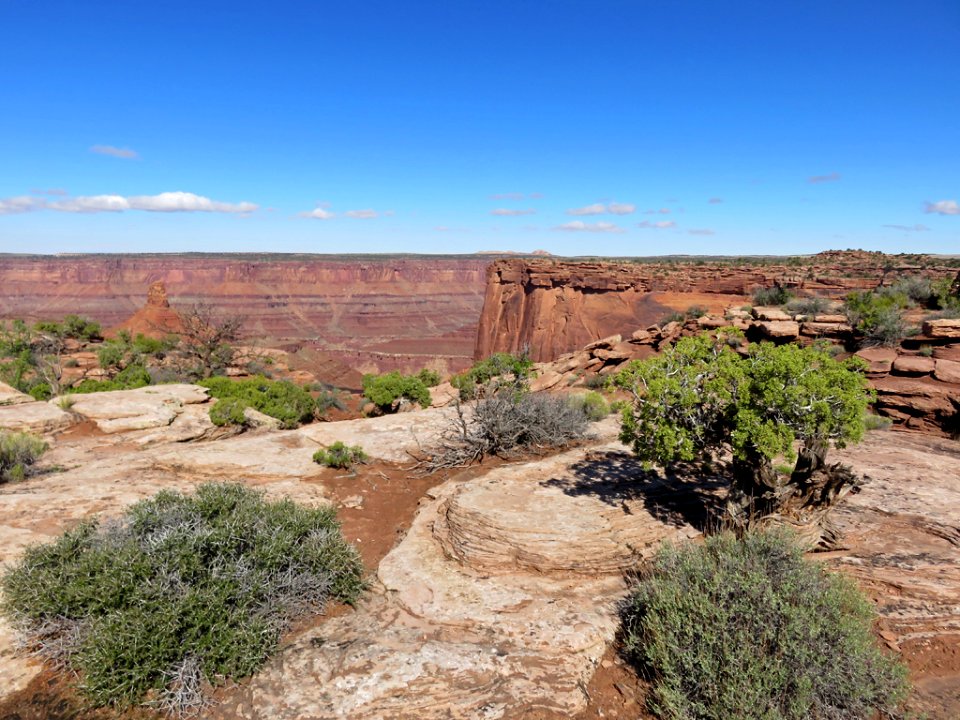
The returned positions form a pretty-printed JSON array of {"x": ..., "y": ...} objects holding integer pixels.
[{"x": 614, "y": 128}]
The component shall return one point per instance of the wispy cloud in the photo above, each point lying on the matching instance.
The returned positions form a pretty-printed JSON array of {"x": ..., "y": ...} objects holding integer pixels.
[
  {"x": 909, "y": 228},
  {"x": 581, "y": 226},
  {"x": 661, "y": 211},
  {"x": 621, "y": 208},
  {"x": 122, "y": 153},
  {"x": 50, "y": 191},
  {"x": 318, "y": 213},
  {"x": 365, "y": 214},
  {"x": 595, "y": 209},
  {"x": 701, "y": 231},
  {"x": 660, "y": 225},
  {"x": 508, "y": 196},
  {"x": 715, "y": 200},
  {"x": 816, "y": 179},
  {"x": 508, "y": 212},
  {"x": 943, "y": 207},
  {"x": 169, "y": 202}
]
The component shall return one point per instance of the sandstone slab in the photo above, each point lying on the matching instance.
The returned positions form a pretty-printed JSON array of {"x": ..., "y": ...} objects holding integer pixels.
[
  {"x": 913, "y": 365},
  {"x": 947, "y": 352},
  {"x": 945, "y": 328},
  {"x": 777, "y": 329},
  {"x": 878, "y": 359},
  {"x": 12, "y": 396},
  {"x": 147, "y": 407},
  {"x": 773, "y": 314},
  {"x": 34, "y": 417},
  {"x": 948, "y": 371}
]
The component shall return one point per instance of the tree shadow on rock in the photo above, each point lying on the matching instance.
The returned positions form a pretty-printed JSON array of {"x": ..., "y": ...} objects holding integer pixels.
[{"x": 684, "y": 495}]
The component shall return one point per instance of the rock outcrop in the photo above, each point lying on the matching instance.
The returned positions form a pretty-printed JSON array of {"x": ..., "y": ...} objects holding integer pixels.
[
  {"x": 155, "y": 319},
  {"x": 402, "y": 310},
  {"x": 554, "y": 307}
]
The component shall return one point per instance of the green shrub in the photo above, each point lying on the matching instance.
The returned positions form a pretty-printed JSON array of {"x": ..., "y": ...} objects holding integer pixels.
[
  {"x": 180, "y": 591},
  {"x": 384, "y": 390},
  {"x": 328, "y": 399},
  {"x": 340, "y": 456},
  {"x": 925, "y": 351},
  {"x": 130, "y": 378},
  {"x": 18, "y": 451},
  {"x": 598, "y": 382},
  {"x": 915, "y": 288},
  {"x": 430, "y": 378},
  {"x": 946, "y": 294},
  {"x": 808, "y": 306},
  {"x": 750, "y": 629},
  {"x": 280, "y": 399},
  {"x": 496, "y": 370},
  {"x": 876, "y": 422},
  {"x": 592, "y": 404},
  {"x": 228, "y": 411},
  {"x": 770, "y": 296},
  {"x": 40, "y": 391},
  {"x": 73, "y": 326},
  {"x": 877, "y": 317}
]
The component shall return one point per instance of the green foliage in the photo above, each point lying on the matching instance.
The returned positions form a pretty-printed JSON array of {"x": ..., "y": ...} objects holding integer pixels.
[
  {"x": 946, "y": 295},
  {"x": 914, "y": 288},
  {"x": 598, "y": 382},
  {"x": 496, "y": 370},
  {"x": 228, "y": 411},
  {"x": 430, "y": 378},
  {"x": 181, "y": 589},
  {"x": 73, "y": 326},
  {"x": 125, "y": 350},
  {"x": 808, "y": 306},
  {"x": 877, "y": 316},
  {"x": 876, "y": 422},
  {"x": 40, "y": 391},
  {"x": 700, "y": 397},
  {"x": 280, "y": 399},
  {"x": 340, "y": 456},
  {"x": 18, "y": 451},
  {"x": 384, "y": 390},
  {"x": 130, "y": 378},
  {"x": 328, "y": 399},
  {"x": 747, "y": 628},
  {"x": 592, "y": 404},
  {"x": 771, "y": 296}
]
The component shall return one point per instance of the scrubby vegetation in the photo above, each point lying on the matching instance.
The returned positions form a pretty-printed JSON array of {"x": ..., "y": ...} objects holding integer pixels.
[
  {"x": 809, "y": 306},
  {"x": 18, "y": 452},
  {"x": 387, "y": 390},
  {"x": 747, "y": 628},
  {"x": 124, "y": 350},
  {"x": 769, "y": 296},
  {"x": 73, "y": 327},
  {"x": 339, "y": 455},
  {"x": 130, "y": 378},
  {"x": 488, "y": 375},
  {"x": 180, "y": 592},
  {"x": 280, "y": 399},
  {"x": 430, "y": 378},
  {"x": 701, "y": 399},
  {"x": 228, "y": 411},
  {"x": 592, "y": 404},
  {"x": 877, "y": 317}
]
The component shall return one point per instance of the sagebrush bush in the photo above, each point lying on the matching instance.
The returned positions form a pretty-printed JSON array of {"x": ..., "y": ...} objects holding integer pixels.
[
  {"x": 280, "y": 399},
  {"x": 339, "y": 455},
  {"x": 591, "y": 404},
  {"x": 877, "y": 317},
  {"x": 387, "y": 389},
  {"x": 748, "y": 628},
  {"x": 808, "y": 305},
  {"x": 506, "y": 424},
  {"x": 130, "y": 378},
  {"x": 430, "y": 378},
  {"x": 769, "y": 296},
  {"x": 179, "y": 591},
  {"x": 18, "y": 452}
]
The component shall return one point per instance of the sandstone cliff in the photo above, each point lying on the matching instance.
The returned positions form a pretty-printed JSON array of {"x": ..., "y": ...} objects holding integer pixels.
[
  {"x": 554, "y": 307},
  {"x": 403, "y": 310}
]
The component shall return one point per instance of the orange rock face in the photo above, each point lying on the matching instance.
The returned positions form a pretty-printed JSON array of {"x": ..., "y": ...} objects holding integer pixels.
[
  {"x": 553, "y": 307},
  {"x": 394, "y": 311}
]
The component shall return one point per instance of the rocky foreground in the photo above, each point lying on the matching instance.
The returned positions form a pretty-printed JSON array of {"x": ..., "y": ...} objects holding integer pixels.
[{"x": 501, "y": 597}]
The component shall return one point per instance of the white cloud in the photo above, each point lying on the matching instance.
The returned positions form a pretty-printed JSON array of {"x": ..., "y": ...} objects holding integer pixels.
[
  {"x": 164, "y": 202},
  {"x": 507, "y": 212},
  {"x": 909, "y": 228},
  {"x": 621, "y": 208},
  {"x": 122, "y": 153},
  {"x": 715, "y": 200},
  {"x": 508, "y": 196},
  {"x": 816, "y": 179},
  {"x": 581, "y": 226},
  {"x": 701, "y": 231},
  {"x": 595, "y": 209},
  {"x": 661, "y": 211},
  {"x": 318, "y": 213},
  {"x": 361, "y": 214},
  {"x": 943, "y": 207},
  {"x": 660, "y": 225},
  {"x": 21, "y": 204}
]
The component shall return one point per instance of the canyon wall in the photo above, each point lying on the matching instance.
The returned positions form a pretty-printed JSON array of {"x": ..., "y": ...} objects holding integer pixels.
[
  {"x": 554, "y": 307},
  {"x": 375, "y": 313}
]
